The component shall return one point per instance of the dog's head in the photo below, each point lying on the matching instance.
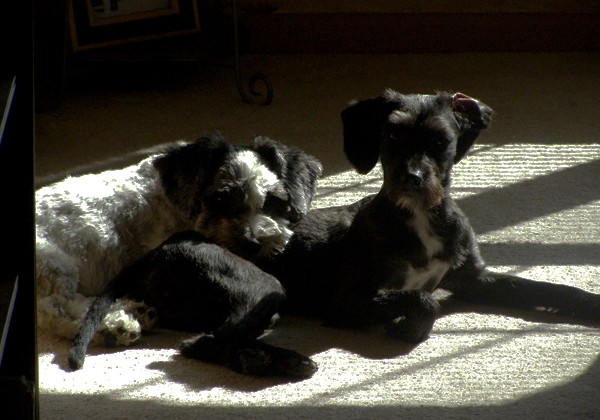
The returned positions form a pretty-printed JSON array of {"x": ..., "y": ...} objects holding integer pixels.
[
  {"x": 241, "y": 197},
  {"x": 418, "y": 139}
]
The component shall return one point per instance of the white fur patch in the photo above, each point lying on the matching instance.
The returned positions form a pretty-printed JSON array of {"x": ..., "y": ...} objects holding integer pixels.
[
  {"x": 260, "y": 178},
  {"x": 408, "y": 203},
  {"x": 430, "y": 275},
  {"x": 122, "y": 326},
  {"x": 430, "y": 241}
]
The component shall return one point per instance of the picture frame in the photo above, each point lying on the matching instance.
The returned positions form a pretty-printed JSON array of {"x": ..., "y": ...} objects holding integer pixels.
[{"x": 99, "y": 23}]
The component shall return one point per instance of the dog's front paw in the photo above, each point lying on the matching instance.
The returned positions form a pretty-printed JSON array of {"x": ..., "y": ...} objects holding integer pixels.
[
  {"x": 410, "y": 330},
  {"x": 250, "y": 358},
  {"x": 261, "y": 359},
  {"x": 409, "y": 314},
  {"x": 203, "y": 347},
  {"x": 121, "y": 329}
]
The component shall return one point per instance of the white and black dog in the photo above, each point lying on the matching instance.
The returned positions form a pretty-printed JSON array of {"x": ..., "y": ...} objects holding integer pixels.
[{"x": 88, "y": 228}]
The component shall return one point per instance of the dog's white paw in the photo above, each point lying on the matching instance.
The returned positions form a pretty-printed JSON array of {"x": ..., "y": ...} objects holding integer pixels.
[{"x": 121, "y": 328}]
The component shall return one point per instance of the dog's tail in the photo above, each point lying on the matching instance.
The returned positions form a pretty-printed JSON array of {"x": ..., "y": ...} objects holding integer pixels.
[{"x": 88, "y": 328}]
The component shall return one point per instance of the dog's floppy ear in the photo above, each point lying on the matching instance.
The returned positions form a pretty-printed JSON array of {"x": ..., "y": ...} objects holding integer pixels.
[
  {"x": 187, "y": 169},
  {"x": 472, "y": 116},
  {"x": 298, "y": 170},
  {"x": 363, "y": 121},
  {"x": 272, "y": 153}
]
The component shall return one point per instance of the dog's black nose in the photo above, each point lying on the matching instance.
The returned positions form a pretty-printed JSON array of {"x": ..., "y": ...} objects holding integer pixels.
[{"x": 414, "y": 178}]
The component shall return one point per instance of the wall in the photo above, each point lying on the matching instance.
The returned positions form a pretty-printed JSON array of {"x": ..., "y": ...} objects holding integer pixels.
[{"x": 387, "y": 26}]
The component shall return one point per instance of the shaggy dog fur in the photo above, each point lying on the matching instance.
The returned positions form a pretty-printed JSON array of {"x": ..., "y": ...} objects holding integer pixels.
[{"x": 90, "y": 227}]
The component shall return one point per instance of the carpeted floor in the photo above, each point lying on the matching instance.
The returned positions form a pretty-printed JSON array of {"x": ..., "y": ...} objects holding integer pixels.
[{"x": 530, "y": 188}]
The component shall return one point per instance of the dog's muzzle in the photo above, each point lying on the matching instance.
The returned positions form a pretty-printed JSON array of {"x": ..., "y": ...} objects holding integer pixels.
[{"x": 414, "y": 188}]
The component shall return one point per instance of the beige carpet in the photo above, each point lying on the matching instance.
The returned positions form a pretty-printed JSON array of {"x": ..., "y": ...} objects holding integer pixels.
[{"x": 530, "y": 188}]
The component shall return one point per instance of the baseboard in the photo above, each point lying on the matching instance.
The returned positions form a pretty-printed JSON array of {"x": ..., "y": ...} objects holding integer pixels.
[{"x": 420, "y": 32}]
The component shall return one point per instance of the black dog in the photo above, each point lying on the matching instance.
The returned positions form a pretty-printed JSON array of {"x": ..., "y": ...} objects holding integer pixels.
[
  {"x": 378, "y": 261},
  {"x": 199, "y": 286}
]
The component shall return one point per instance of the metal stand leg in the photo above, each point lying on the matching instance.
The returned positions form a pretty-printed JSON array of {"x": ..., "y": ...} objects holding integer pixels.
[{"x": 258, "y": 96}]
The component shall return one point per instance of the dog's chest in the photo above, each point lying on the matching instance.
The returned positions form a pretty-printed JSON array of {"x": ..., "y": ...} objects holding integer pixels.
[{"x": 425, "y": 276}]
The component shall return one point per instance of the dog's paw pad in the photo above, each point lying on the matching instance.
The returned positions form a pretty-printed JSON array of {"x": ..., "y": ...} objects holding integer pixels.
[
  {"x": 120, "y": 337},
  {"x": 147, "y": 316}
]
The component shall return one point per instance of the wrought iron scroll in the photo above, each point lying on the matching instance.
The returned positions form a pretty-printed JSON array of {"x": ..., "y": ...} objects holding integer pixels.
[{"x": 257, "y": 95}]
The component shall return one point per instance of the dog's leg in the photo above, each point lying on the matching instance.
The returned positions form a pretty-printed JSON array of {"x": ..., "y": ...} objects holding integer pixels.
[
  {"x": 235, "y": 345},
  {"x": 251, "y": 357},
  {"x": 121, "y": 326},
  {"x": 89, "y": 326},
  {"x": 246, "y": 324},
  {"x": 482, "y": 286},
  {"x": 114, "y": 320},
  {"x": 145, "y": 315},
  {"x": 407, "y": 315}
]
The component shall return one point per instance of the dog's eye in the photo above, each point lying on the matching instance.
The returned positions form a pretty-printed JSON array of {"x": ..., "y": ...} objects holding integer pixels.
[
  {"x": 217, "y": 199},
  {"x": 226, "y": 202},
  {"x": 441, "y": 141}
]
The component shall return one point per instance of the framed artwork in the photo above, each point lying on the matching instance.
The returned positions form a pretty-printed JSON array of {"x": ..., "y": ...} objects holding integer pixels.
[{"x": 97, "y": 23}]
